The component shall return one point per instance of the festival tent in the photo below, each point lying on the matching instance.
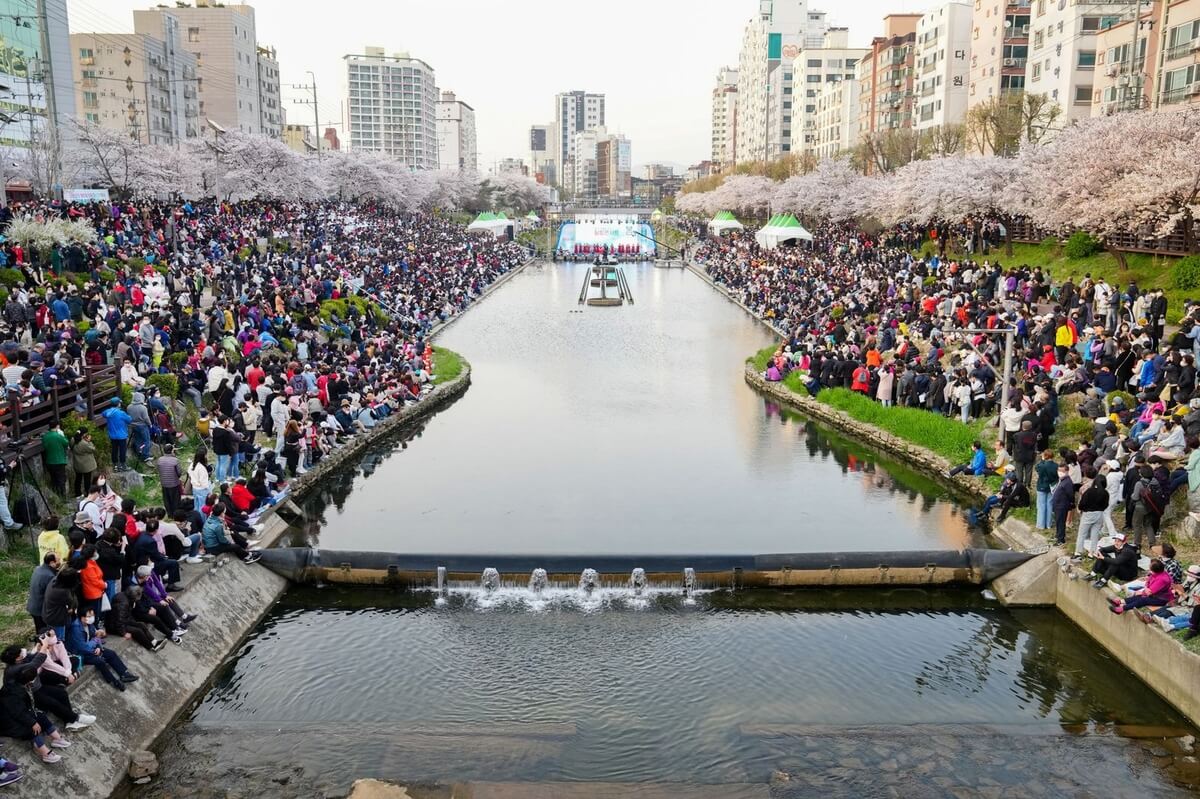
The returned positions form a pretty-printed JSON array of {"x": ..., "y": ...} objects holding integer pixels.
[
  {"x": 781, "y": 228},
  {"x": 723, "y": 222},
  {"x": 496, "y": 224}
]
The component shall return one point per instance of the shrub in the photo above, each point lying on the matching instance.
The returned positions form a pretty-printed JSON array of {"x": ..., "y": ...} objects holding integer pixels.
[
  {"x": 107, "y": 275},
  {"x": 73, "y": 422},
  {"x": 167, "y": 384},
  {"x": 11, "y": 277},
  {"x": 162, "y": 269},
  {"x": 838, "y": 312},
  {"x": 177, "y": 359},
  {"x": 1186, "y": 274},
  {"x": 126, "y": 394},
  {"x": 83, "y": 326},
  {"x": 929, "y": 281},
  {"x": 1075, "y": 428},
  {"x": 1082, "y": 245}
]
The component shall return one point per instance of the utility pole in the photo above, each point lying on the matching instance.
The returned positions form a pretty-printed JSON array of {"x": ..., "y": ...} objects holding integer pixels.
[
  {"x": 47, "y": 64},
  {"x": 1133, "y": 90},
  {"x": 312, "y": 89}
]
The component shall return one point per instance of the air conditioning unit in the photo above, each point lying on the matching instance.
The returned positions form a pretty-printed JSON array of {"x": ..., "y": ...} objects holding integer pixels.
[
  {"x": 1024, "y": 30},
  {"x": 1112, "y": 71},
  {"x": 1194, "y": 89},
  {"x": 1010, "y": 62},
  {"x": 897, "y": 83}
]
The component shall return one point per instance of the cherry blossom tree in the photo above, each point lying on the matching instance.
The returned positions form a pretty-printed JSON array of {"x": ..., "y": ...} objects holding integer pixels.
[{"x": 833, "y": 190}]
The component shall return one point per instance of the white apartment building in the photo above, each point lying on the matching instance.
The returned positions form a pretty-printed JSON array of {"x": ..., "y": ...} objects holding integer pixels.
[
  {"x": 1062, "y": 52},
  {"x": 124, "y": 81},
  {"x": 237, "y": 81},
  {"x": 812, "y": 70},
  {"x": 574, "y": 112},
  {"x": 999, "y": 49},
  {"x": 457, "y": 145},
  {"x": 585, "y": 146},
  {"x": 836, "y": 119},
  {"x": 770, "y": 42},
  {"x": 942, "y": 65},
  {"x": 392, "y": 104},
  {"x": 724, "y": 116},
  {"x": 543, "y": 164}
]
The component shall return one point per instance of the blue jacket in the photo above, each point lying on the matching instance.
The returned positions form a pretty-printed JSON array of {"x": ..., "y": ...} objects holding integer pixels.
[
  {"x": 81, "y": 639},
  {"x": 214, "y": 532},
  {"x": 117, "y": 422},
  {"x": 978, "y": 462},
  {"x": 61, "y": 311}
]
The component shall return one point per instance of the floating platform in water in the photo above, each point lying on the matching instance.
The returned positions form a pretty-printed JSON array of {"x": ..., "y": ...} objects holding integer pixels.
[
  {"x": 973, "y": 567},
  {"x": 604, "y": 277}
]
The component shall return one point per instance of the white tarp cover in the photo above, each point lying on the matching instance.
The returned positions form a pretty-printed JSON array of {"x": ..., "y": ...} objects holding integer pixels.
[{"x": 781, "y": 228}]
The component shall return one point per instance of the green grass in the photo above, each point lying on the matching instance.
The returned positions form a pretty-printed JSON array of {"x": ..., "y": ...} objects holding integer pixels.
[
  {"x": 949, "y": 438},
  {"x": 16, "y": 567},
  {"x": 447, "y": 365}
]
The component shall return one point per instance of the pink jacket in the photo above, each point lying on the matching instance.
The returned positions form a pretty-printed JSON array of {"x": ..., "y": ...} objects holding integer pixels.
[
  {"x": 1157, "y": 584},
  {"x": 57, "y": 661}
]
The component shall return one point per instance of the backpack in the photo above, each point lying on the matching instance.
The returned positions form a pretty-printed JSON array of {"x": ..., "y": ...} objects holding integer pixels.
[{"x": 1154, "y": 498}]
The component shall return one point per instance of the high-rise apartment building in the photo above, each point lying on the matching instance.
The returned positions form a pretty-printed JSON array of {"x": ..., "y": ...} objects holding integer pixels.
[
  {"x": 392, "y": 104},
  {"x": 583, "y": 166},
  {"x": 137, "y": 84},
  {"x": 614, "y": 166},
  {"x": 543, "y": 163},
  {"x": 834, "y": 62},
  {"x": 23, "y": 71},
  {"x": 836, "y": 119},
  {"x": 1166, "y": 73},
  {"x": 770, "y": 41},
  {"x": 999, "y": 49},
  {"x": 885, "y": 77},
  {"x": 1062, "y": 52},
  {"x": 574, "y": 113},
  {"x": 724, "y": 117},
  {"x": 457, "y": 147},
  {"x": 237, "y": 82},
  {"x": 942, "y": 62}
]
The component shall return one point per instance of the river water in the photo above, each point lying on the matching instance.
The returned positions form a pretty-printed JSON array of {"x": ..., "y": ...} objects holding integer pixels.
[{"x": 630, "y": 430}]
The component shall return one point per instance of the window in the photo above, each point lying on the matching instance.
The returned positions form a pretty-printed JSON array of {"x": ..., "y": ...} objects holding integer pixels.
[
  {"x": 1087, "y": 59},
  {"x": 1083, "y": 95},
  {"x": 814, "y": 63},
  {"x": 85, "y": 52},
  {"x": 1037, "y": 72},
  {"x": 193, "y": 34}
]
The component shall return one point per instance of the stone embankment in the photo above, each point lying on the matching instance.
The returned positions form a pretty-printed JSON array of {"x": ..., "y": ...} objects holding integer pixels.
[{"x": 230, "y": 599}]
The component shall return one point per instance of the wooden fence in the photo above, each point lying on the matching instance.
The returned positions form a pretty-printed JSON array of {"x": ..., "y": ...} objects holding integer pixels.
[
  {"x": 1176, "y": 243},
  {"x": 89, "y": 396}
]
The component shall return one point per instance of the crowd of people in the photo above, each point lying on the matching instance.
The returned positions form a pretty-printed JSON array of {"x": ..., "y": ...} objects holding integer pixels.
[
  {"x": 289, "y": 327},
  {"x": 868, "y": 313}
]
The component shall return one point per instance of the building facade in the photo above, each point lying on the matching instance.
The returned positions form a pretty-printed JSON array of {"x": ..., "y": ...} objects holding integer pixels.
[
  {"x": 999, "y": 49},
  {"x": 575, "y": 112},
  {"x": 582, "y": 168},
  {"x": 885, "y": 77},
  {"x": 299, "y": 138},
  {"x": 125, "y": 82},
  {"x": 1063, "y": 52},
  {"x": 770, "y": 42},
  {"x": 392, "y": 107},
  {"x": 24, "y": 84},
  {"x": 543, "y": 159},
  {"x": 836, "y": 117},
  {"x": 834, "y": 62},
  {"x": 724, "y": 116},
  {"x": 457, "y": 144},
  {"x": 237, "y": 82},
  {"x": 614, "y": 165},
  {"x": 942, "y": 61},
  {"x": 1166, "y": 73}
]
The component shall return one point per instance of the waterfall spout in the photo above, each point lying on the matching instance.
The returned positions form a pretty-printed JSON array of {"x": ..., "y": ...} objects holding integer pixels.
[
  {"x": 490, "y": 580},
  {"x": 537, "y": 582},
  {"x": 441, "y": 581},
  {"x": 689, "y": 582},
  {"x": 637, "y": 581},
  {"x": 589, "y": 581}
]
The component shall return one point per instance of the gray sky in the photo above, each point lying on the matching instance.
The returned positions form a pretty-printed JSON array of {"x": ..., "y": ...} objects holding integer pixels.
[{"x": 656, "y": 60}]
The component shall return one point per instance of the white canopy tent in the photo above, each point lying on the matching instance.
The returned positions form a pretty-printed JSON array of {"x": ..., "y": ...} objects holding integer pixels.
[
  {"x": 496, "y": 224},
  {"x": 723, "y": 223},
  {"x": 782, "y": 228}
]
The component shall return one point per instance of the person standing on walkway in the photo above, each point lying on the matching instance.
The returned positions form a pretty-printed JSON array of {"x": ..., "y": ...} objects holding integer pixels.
[
  {"x": 54, "y": 446},
  {"x": 1062, "y": 500},
  {"x": 199, "y": 477},
  {"x": 1093, "y": 503},
  {"x": 1047, "y": 478},
  {"x": 170, "y": 476},
  {"x": 83, "y": 461},
  {"x": 117, "y": 423}
]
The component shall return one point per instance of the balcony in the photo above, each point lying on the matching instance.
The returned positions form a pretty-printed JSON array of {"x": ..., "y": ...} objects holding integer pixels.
[
  {"x": 1014, "y": 63},
  {"x": 1183, "y": 50},
  {"x": 89, "y": 83},
  {"x": 87, "y": 61}
]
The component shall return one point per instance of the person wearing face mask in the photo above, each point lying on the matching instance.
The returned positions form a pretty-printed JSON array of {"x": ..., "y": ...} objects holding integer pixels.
[
  {"x": 84, "y": 640},
  {"x": 62, "y": 600},
  {"x": 121, "y": 621},
  {"x": 47, "y": 696},
  {"x": 42, "y": 576},
  {"x": 92, "y": 586},
  {"x": 1062, "y": 500},
  {"x": 20, "y": 718}
]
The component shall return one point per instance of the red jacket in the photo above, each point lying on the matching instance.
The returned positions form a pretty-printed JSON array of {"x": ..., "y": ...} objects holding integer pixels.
[{"x": 241, "y": 497}]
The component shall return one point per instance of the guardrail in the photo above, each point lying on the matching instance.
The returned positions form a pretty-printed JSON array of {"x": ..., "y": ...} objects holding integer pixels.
[{"x": 88, "y": 396}]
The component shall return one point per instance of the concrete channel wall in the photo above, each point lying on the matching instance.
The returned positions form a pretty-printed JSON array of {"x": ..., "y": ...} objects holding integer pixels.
[{"x": 231, "y": 599}]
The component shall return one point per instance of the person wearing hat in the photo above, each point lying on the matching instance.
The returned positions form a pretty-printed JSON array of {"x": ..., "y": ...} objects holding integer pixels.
[
  {"x": 1156, "y": 593},
  {"x": 1119, "y": 561},
  {"x": 20, "y": 718},
  {"x": 1114, "y": 479},
  {"x": 117, "y": 423}
]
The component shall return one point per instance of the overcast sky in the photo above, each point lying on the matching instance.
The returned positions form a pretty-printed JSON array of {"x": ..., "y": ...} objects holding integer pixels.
[{"x": 656, "y": 60}]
